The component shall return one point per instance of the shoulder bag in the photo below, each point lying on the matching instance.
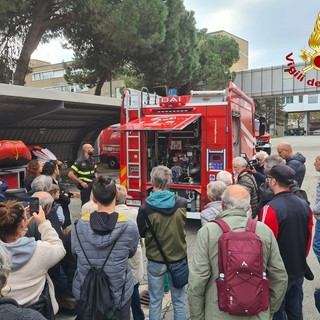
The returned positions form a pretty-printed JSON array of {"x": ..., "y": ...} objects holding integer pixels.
[{"x": 179, "y": 271}]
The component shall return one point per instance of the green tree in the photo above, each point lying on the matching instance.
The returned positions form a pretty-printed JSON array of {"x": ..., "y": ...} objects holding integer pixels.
[
  {"x": 297, "y": 117},
  {"x": 103, "y": 47},
  {"x": 266, "y": 107},
  {"x": 5, "y": 71},
  {"x": 172, "y": 62},
  {"x": 27, "y": 22},
  {"x": 315, "y": 116},
  {"x": 217, "y": 53}
]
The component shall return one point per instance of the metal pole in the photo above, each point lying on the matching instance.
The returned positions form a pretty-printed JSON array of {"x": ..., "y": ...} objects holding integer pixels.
[
  {"x": 275, "y": 116},
  {"x": 110, "y": 95}
]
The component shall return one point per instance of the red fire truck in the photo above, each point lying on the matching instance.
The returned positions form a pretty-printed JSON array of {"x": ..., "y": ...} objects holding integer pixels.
[
  {"x": 109, "y": 146},
  {"x": 196, "y": 136}
]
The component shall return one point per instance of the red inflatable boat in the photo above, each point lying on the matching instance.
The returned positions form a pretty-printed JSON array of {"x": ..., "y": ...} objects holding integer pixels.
[{"x": 13, "y": 153}]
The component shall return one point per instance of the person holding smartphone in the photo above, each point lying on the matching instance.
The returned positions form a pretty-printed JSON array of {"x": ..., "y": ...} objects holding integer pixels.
[
  {"x": 9, "y": 308},
  {"x": 31, "y": 259}
]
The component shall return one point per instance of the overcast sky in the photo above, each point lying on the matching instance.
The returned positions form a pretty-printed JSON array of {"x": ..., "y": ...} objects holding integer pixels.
[{"x": 273, "y": 28}]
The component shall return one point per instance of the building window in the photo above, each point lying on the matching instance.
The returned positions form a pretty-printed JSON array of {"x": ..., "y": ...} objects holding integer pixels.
[
  {"x": 289, "y": 99},
  {"x": 313, "y": 98},
  {"x": 70, "y": 88},
  {"x": 58, "y": 73},
  {"x": 300, "y": 99},
  {"x": 45, "y": 75}
]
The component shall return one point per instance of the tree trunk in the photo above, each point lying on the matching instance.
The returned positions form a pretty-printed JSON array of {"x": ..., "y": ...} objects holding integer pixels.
[
  {"x": 103, "y": 78},
  {"x": 30, "y": 44},
  {"x": 38, "y": 27}
]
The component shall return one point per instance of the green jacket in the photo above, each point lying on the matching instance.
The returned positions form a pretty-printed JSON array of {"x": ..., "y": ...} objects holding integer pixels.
[
  {"x": 203, "y": 269},
  {"x": 167, "y": 214}
]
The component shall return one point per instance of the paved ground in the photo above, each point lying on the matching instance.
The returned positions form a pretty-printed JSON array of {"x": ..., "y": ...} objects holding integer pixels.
[{"x": 309, "y": 146}]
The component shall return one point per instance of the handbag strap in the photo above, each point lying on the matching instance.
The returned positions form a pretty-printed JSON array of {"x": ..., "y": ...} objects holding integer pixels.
[
  {"x": 85, "y": 253},
  {"x": 155, "y": 238}
]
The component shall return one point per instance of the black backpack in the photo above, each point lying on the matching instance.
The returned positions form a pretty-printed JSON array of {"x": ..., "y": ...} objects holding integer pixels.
[
  {"x": 300, "y": 193},
  {"x": 96, "y": 300}
]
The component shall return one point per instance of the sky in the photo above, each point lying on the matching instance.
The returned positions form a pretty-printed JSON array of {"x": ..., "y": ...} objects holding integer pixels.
[{"x": 273, "y": 28}]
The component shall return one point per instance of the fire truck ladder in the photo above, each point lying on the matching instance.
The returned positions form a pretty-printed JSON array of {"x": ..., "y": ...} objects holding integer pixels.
[{"x": 134, "y": 105}]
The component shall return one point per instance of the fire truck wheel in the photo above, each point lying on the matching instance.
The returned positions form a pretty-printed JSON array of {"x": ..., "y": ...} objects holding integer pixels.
[{"x": 113, "y": 164}]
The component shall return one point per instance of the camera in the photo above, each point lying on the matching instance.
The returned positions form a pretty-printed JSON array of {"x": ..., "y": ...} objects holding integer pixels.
[{"x": 252, "y": 164}]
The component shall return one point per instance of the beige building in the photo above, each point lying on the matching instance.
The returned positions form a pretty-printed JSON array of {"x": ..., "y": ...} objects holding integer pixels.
[
  {"x": 243, "y": 62},
  {"x": 51, "y": 76}
]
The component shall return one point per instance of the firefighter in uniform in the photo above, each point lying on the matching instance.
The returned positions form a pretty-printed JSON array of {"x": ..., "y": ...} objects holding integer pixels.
[{"x": 83, "y": 172}]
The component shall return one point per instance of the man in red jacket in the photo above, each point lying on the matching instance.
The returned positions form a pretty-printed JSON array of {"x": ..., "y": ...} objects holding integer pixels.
[{"x": 290, "y": 219}]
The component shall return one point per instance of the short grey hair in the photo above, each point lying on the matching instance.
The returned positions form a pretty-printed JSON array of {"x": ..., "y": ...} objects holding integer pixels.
[
  {"x": 45, "y": 200},
  {"x": 41, "y": 183},
  {"x": 121, "y": 196},
  {"x": 262, "y": 154},
  {"x": 233, "y": 201},
  {"x": 225, "y": 177},
  {"x": 271, "y": 161},
  {"x": 242, "y": 162},
  {"x": 215, "y": 190},
  {"x": 5, "y": 266},
  {"x": 161, "y": 177}
]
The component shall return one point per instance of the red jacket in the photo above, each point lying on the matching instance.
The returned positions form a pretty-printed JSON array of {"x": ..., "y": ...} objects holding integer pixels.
[{"x": 291, "y": 220}]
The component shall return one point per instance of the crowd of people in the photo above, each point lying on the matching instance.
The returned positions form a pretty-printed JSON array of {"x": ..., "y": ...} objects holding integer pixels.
[{"x": 44, "y": 258}]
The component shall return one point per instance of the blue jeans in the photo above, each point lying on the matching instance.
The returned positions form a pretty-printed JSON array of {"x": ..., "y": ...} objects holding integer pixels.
[
  {"x": 156, "y": 275},
  {"x": 316, "y": 240},
  {"x": 291, "y": 307},
  {"x": 137, "y": 311}
]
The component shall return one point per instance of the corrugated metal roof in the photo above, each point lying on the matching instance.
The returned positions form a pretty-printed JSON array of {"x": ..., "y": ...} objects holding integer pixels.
[{"x": 59, "y": 121}]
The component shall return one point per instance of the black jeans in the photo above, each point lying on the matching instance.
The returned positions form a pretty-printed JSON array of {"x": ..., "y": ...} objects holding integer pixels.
[
  {"x": 137, "y": 311},
  {"x": 291, "y": 307},
  {"x": 85, "y": 194}
]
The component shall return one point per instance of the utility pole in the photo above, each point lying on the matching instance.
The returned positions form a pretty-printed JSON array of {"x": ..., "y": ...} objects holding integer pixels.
[{"x": 275, "y": 116}]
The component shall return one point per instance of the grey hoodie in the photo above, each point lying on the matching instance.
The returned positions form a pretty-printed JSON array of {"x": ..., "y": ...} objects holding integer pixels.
[{"x": 22, "y": 251}]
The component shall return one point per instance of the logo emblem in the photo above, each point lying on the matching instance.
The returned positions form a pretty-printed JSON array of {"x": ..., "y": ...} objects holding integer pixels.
[
  {"x": 314, "y": 43},
  {"x": 244, "y": 265}
]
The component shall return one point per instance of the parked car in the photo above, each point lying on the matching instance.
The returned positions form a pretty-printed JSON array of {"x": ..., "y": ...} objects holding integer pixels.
[
  {"x": 316, "y": 132},
  {"x": 295, "y": 132}
]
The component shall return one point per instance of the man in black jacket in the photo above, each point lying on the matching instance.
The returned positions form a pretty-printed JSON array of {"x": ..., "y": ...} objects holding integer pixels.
[
  {"x": 295, "y": 161},
  {"x": 291, "y": 220},
  {"x": 83, "y": 172}
]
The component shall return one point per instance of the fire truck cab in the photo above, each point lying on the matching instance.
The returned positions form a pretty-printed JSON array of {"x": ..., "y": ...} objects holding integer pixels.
[
  {"x": 109, "y": 146},
  {"x": 196, "y": 136}
]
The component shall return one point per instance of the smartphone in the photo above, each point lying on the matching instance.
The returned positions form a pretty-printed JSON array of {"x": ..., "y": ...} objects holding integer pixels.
[{"x": 34, "y": 205}]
